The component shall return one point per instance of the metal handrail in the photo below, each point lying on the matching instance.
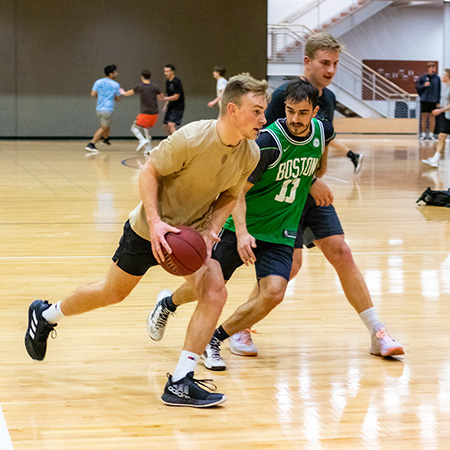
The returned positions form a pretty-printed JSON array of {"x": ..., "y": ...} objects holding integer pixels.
[{"x": 361, "y": 79}]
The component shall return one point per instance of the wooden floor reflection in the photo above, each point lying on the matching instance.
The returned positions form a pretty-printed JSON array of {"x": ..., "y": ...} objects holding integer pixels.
[{"x": 314, "y": 384}]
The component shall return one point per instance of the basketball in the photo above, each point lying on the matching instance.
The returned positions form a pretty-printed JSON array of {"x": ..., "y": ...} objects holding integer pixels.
[{"x": 188, "y": 252}]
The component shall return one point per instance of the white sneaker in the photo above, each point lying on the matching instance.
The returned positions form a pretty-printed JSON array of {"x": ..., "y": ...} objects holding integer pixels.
[
  {"x": 211, "y": 356},
  {"x": 430, "y": 162},
  {"x": 241, "y": 343},
  {"x": 422, "y": 136},
  {"x": 148, "y": 151},
  {"x": 142, "y": 143},
  {"x": 157, "y": 319},
  {"x": 383, "y": 344}
]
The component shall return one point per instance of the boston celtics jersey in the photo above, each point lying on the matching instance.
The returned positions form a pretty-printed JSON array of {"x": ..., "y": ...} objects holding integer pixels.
[{"x": 276, "y": 200}]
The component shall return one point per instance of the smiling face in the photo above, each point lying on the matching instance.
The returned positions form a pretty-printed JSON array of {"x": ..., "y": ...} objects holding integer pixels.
[
  {"x": 321, "y": 69},
  {"x": 249, "y": 115},
  {"x": 445, "y": 77},
  {"x": 298, "y": 117},
  {"x": 169, "y": 73}
]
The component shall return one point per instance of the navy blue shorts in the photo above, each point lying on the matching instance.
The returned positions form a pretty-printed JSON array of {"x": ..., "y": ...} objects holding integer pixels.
[
  {"x": 317, "y": 222},
  {"x": 173, "y": 115},
  {"x": 271, "y": 259},
  {"x": 427, "y": 107},
  {"x": 134, "y": 254}
]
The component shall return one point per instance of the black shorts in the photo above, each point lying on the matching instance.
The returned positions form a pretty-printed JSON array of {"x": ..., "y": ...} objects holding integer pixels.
[
  {"x": 173, "y": 115},
  {"x": 427, "y": 107},
  {"x": 134, "y": 254},
  {"x": 442, "y": 124},
  {"x": 271, "y": 259},
  {"x": 317, "y": 222}
]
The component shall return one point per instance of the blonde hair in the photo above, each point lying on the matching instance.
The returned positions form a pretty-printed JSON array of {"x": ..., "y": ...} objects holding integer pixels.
[
  {"x": 321, "y": 41},
  {"x": 448, "y": 72},
  {"x": 241, "y": 85}
]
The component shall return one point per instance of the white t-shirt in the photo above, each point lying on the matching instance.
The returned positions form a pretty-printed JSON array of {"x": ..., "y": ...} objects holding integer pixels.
[
  {"x": 221, "y": 83},
  {"x": 445, "y": 98}
]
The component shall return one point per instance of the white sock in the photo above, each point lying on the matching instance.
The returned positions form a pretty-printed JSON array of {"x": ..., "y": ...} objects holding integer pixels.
[
  {"x": 53, "y": 314},
  {"x": 187, "y": 363},
  {"x": 147, "y": 135},
  {"x": 436, "y": 157},
  {"x": 137, "y": 132},
  {"x": 370, "y": 318}
]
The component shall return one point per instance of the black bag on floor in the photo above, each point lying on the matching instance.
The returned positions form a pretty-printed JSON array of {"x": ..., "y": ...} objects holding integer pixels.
[{"x": 435, "y": 198}]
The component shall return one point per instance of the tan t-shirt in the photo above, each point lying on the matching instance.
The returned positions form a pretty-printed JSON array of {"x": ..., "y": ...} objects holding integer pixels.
[{"x": 195, "y": 167}]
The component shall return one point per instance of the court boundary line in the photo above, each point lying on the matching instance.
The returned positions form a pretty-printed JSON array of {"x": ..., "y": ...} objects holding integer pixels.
[
  {"x": 394, "y": 252},
  {"x": 5, "y": 438}
]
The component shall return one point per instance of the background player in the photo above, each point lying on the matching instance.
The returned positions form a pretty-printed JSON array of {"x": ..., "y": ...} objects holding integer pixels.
[
  {"x": 174, "y": 107},
  {"x": 219, "y": 75},
  {"x": 149, "y": 95},
  {"x": 107, "y": 92},
  {"x": 321, "y": 60}
]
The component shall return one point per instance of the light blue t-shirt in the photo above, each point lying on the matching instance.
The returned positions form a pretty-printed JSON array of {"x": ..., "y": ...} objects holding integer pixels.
[{"x": 107, "y": 90}]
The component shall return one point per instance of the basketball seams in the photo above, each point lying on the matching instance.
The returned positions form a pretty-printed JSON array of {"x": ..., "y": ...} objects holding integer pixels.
[{"x": 188, "y": 252}]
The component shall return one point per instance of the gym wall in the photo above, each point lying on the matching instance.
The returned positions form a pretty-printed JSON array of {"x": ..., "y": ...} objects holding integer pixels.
[{"x": 53, "y": 51}]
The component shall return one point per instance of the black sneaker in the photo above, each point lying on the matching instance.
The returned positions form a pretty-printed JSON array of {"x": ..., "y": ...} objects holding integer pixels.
[
  {"x": 38, "y": 330},
  {"x": 106, "y": 141},
  {"x": 356, "y": 159},
  {"x": 91, "y": 147},
  {"x": 187, "y": 392}
]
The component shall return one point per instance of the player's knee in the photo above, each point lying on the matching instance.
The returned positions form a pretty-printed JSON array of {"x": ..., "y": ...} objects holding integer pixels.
[
  {"x": 341, "y": 254},
  {"x": 272, "y": 297},
  {"x": 215, "y": 297}
]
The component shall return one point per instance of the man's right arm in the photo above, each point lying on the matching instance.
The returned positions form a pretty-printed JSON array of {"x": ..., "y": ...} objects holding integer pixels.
[{"x": 148, "y": 189}]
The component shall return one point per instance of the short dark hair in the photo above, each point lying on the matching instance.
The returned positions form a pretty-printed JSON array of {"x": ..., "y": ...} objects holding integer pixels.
[
  {"x": 146, "y": 74},
  {"x": 110, "y": 69},
  {"x": 300, "y": 89},
  {"x": 221, "y": 70},
  {"x": 170, "y": 66}
]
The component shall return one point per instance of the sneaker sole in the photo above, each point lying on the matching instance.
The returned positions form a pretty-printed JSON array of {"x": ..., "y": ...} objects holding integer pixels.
[
  {"x": 239, "y": 353},
  {"x": 172, "y": 400},
  {"x": 214, "y": 369},
  {"x": 392, "y": 352}
]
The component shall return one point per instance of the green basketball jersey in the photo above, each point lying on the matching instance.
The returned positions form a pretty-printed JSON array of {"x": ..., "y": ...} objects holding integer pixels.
[{"x": 275, "y": 202}]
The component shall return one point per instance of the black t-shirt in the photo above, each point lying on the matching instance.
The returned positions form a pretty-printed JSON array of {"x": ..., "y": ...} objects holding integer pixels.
[
  {"x": 276, "y": 108},
  {"x": 148, "y": 93},
  {"x": 270, "y": 151},
  {"x": 175, "y": 87}
]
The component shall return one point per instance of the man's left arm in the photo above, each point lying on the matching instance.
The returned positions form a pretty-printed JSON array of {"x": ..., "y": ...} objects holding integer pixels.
[{"x": 222, "y": 209}]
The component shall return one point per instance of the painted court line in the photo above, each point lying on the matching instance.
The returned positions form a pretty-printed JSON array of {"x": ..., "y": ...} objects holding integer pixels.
[
  {"x": 392, "y": 252},
  {"x": 5, "y": 439}
]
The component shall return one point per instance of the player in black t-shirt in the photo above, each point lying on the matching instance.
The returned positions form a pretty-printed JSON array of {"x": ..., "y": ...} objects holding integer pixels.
[
  {"x": 174, "y": 106},
  {"x": 321, "y": 62}
]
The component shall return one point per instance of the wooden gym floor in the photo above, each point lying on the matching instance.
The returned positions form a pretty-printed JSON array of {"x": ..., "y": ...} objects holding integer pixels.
[{"x": 314, "y": 384}]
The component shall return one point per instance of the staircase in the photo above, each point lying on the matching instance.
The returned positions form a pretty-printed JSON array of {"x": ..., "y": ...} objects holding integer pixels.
[
  {"x": 335, "y": 17},
  {"x": 358, "y": 87}
]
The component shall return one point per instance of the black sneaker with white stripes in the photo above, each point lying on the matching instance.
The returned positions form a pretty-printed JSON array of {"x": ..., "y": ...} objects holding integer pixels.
[
  {"x": 38, "y": 330},
  {"x": 188, "y": 392}
]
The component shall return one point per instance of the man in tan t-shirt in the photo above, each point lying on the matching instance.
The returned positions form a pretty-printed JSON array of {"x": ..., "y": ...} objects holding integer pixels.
[{"x": 192, "y": 178}]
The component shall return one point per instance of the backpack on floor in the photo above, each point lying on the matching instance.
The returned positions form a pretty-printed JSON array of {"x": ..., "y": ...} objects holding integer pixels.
[{"x": 435, "y": 198}]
